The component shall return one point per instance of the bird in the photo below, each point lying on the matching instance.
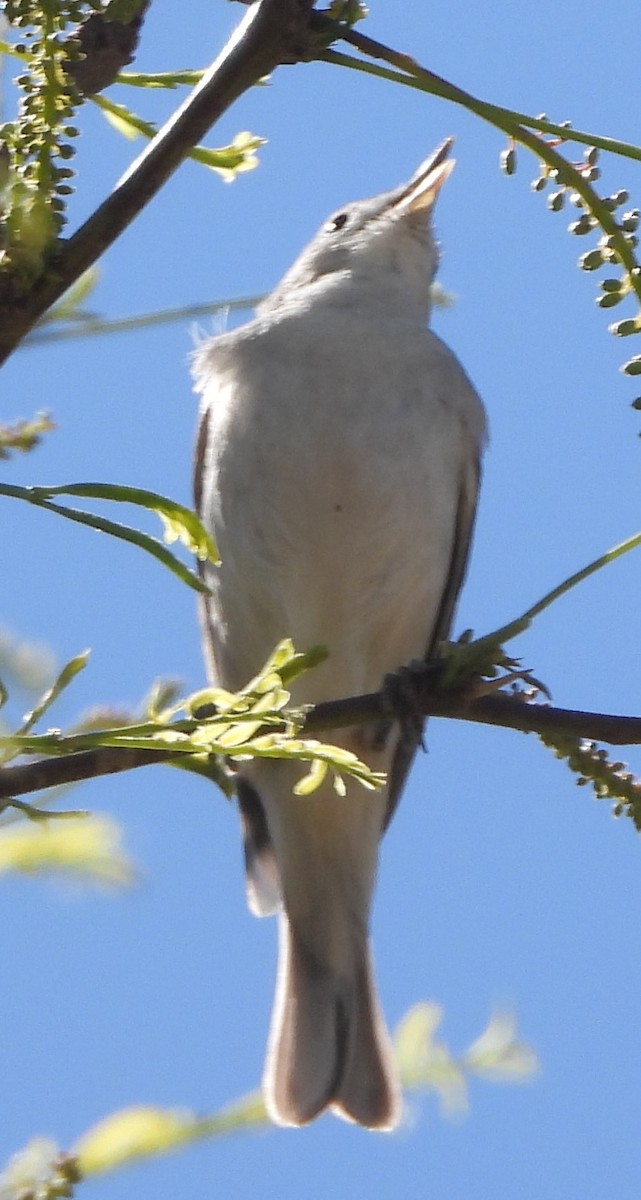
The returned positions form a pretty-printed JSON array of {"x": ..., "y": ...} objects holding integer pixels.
[{"x": 337, "y": 466}]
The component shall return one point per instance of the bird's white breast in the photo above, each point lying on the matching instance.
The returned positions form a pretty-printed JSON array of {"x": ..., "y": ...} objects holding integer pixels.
[{"x": 336, "y": 447}]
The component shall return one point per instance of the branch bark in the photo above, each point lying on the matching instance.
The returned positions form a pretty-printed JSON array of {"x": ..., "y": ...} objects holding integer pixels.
[
  {"x": 271, "y": 33},
  {"x": 505, "y": 711}
]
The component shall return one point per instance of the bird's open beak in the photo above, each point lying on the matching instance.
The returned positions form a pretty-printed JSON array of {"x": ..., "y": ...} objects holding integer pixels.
[{"x": 423, "y": 188}]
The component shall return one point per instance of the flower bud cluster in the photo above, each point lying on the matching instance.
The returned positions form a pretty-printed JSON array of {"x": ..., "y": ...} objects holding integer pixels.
[
  {"x": 38, "y": 143},
  {"x": 611, "y": 247}
]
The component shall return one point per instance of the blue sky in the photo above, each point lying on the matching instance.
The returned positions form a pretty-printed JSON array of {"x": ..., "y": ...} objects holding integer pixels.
[{"x": 501, "y": 883}]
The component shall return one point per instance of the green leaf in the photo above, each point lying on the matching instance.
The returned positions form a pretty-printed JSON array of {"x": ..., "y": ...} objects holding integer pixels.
[
  {"x": 310, "y": 782},
  {"x": 68, "y": 672},
  {"x": 498, "y": 1054},
  {"x": 192, "y": 529},
  {"x": 64, "y": 678},
  {"x": 160, "y": 79},
  {"x": 228, "y": 161},
  {"x": 425, "y": 1062},
  {"x": 179, "y": 522},
  {"x": 42, "y": 814},
  {"x": 130, "y": 1134},
  {"x": 145, "y": 1130}
]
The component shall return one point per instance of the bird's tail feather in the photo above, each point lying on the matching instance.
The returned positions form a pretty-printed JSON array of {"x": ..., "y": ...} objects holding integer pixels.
[{"x": 328, "y": 1045}]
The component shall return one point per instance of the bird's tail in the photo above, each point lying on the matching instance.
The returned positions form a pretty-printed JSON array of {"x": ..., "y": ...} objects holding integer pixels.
[{"x": 328, "y": 1046}]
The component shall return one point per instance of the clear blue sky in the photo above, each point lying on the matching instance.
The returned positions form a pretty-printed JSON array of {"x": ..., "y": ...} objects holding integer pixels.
[{"x": 500, "y": 882}]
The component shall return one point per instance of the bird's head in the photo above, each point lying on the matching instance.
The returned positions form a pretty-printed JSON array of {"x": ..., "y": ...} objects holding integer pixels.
[{"x": 378, "y": 254}]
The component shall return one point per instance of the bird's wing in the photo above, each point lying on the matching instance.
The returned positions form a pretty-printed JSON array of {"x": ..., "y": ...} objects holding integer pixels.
[
  {"x": 204, "y": 607},
  {"x": 199, "y": 458},
  {"x": 466, "y": 510},
  {"x": 263, "y": 882}
]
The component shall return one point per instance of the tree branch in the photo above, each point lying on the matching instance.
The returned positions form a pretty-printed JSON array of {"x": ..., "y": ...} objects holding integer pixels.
[
  {"x": 496, "y": 709},
  {"x": 72, "y": 768},
  {"x": 272, "y": 32}
]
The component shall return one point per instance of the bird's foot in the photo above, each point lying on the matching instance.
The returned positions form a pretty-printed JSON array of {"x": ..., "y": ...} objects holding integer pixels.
[{"x": 401, "y": 693}]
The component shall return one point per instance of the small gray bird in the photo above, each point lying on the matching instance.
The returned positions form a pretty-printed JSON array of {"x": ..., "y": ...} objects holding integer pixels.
[{"x": 338, "y": 469}]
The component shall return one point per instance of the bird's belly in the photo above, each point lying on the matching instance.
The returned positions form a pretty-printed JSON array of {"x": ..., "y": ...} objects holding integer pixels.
[{"x": 346, "y": 543}]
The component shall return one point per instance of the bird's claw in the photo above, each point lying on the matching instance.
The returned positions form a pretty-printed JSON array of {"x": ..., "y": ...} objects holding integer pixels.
[{"x": 401, "y": 694}]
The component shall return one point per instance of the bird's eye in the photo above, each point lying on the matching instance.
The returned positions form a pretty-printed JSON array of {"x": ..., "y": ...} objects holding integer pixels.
[{"x": 337, "y": 222}]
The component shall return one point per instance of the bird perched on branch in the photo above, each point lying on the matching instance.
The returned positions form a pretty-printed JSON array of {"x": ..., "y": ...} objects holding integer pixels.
[{"x": 338, "y": 469}]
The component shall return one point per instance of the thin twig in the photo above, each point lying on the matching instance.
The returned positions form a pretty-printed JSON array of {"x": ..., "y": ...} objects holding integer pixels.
[
  {"x": 506, "y": 711},
  {"x": 81, "y": 326}
]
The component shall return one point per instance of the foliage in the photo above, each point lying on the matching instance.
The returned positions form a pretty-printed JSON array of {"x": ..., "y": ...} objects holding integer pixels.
[
  {"x": 218, "y": 723},
  {"x": 37, "y": 146},
  {"x": 590, "y": 764}
]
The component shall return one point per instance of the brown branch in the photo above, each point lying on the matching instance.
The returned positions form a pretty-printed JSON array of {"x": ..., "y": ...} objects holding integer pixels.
[
  {"x": 72, "y": 768},
  {"x": 272, "y": 32},
  {"x": 506, "y": 711},
  {"x": 510, "y": 712}
]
